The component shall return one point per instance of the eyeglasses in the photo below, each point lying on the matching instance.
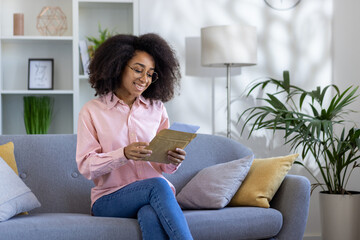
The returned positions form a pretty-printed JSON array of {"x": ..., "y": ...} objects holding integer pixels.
[{"x": 140, "y": 71}]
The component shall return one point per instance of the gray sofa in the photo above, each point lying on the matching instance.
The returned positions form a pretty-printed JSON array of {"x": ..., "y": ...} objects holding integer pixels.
[{"x": 46, "y": 163}]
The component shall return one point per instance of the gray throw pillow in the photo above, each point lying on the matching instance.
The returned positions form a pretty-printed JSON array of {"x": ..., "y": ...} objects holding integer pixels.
[
  {"x": 213, "y": 187},
  {"x": 15, "y": 196}
]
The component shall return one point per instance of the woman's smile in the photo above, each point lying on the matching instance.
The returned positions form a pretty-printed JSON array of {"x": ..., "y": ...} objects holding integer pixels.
[{"x": 140, "y": 86}]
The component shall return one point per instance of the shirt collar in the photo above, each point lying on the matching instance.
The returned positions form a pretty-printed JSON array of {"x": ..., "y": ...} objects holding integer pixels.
[
  {"x": 115, "y": 100},
  {"x": 145, "y": 101}
]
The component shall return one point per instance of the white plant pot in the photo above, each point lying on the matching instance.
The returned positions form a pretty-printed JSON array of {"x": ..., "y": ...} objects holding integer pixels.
[{"x": 340, "y": 216}]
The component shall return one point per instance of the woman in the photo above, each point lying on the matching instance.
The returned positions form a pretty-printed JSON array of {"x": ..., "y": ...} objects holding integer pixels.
[{"x": 132, "y": 76}]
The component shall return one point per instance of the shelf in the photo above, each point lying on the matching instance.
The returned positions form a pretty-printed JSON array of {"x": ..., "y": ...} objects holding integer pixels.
[
  {"x": 13, "y": 120},
  {"x": 31, "y": 10},
  {"x": 37, "y": 92},
  {"x": 36, "y": 38},
  {"x": 17, "y": 54},
  {"x": 106, "y": 1},
  {"x": 83, "y": 77},
  {"x": 116, "y": 16},
  {"x": 71, "y": 90}
]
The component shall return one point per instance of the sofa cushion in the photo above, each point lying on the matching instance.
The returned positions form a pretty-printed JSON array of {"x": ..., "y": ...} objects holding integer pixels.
[
  {"x": 44, "y": 159},
  {"x": 227, "y": 223},
  {"x": 205, "y": 151},
  {"x": 262, "y": 182},
  {"x": 15, "y": 196},
  {"x": 7, "y": 154},
  {"x": 232, "y": 223},
  {"x": 214, "y": 186},
  {"x": 69, "y": 226}
]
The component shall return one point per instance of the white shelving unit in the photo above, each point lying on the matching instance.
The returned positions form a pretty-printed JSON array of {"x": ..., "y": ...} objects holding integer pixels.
[
  {"x": 120, "y": 16},
  {"x": 71, "y": 87}
]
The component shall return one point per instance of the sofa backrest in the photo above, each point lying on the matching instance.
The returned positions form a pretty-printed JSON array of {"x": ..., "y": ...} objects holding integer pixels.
[
  {"x": 204, "y": 151},
  {"x": 47, "y": 165}
]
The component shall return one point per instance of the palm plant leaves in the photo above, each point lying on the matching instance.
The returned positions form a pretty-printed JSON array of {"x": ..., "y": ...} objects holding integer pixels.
[
  {"x": 103, "y": 35},
  {"x": 313, "y": 131}
]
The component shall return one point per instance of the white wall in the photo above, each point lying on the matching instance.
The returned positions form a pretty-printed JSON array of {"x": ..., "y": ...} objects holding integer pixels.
[
  {"x": 299, "y": 40},
  {"x": 346, "y": 49}
]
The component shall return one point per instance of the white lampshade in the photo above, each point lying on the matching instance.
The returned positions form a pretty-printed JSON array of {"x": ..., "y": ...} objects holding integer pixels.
[
  {"x": 193, "y": 65},
  {"x": 233, "y": 44}
]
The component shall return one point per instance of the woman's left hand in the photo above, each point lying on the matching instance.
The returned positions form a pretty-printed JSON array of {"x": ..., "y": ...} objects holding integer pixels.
[{"x": 176, "y": 157}]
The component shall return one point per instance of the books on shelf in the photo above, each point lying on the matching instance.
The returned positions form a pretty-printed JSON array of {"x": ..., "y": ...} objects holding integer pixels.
[{"x": 84, "y": 56}]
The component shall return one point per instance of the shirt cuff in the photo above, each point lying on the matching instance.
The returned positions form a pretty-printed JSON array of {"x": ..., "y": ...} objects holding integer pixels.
[
  {"x": 170, "y": 168},
  {"x": 119, "y": 156}
]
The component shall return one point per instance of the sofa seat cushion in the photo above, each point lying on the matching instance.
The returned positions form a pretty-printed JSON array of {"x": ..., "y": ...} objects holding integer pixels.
[
  {"x": 234, "y": 223},
  {"x": 227, "y": 223},
  {"x": 69, "y": 226}
]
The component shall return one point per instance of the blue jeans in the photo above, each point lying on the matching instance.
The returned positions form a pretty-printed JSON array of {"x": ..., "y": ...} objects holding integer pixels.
[{"x": 153, "y": 203}]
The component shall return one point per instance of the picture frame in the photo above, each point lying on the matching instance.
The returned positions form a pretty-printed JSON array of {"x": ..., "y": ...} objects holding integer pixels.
[{"x": 41, "y": 74}]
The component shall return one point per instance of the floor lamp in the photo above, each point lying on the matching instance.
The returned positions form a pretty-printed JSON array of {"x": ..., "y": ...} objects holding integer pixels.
[{"x": 228, "y": 46}]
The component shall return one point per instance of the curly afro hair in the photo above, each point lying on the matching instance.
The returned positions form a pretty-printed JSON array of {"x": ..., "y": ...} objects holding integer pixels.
[{"x": 112, "y": 56}]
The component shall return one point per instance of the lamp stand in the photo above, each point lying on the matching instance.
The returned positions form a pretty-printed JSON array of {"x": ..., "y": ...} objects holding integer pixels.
[
  {"x": 228, "y": 86},
  {"x": 230, "y": 46}
]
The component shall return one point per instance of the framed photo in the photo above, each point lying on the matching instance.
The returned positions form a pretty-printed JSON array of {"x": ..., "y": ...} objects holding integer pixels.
[{"x": 41, "y": 74}]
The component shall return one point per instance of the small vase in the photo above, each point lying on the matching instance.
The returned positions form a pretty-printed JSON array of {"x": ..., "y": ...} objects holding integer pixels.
[
  {"x": 18, "y": 24},
  {"x": 340, "y": 216}
]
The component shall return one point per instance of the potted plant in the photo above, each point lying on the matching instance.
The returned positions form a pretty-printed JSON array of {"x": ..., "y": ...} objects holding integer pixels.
[
  {"x": 318, "y": 129},
  {"x": 37, "y": 114},
  {"x": 97, "y": 41}
]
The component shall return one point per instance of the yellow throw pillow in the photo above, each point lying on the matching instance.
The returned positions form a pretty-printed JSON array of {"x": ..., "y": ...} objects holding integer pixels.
[
  {"x": 7, "y": 153},
  {"x": 262, "y": 182}
]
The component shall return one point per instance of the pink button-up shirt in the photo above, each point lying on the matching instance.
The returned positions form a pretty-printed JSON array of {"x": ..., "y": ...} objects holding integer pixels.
[{"x": 105, "y": 127}]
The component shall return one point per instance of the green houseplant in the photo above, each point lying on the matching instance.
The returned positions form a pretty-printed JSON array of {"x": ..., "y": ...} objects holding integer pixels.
[
  {"x": 37, "y": 114},
  {"x": 314, "y": 131},
  {"x": 317, "y": 128},
  {"x": 97, "y": 41}
]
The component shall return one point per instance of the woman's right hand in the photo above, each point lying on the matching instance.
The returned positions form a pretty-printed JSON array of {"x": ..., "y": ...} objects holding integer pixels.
[{"x": 136, "y": 151}]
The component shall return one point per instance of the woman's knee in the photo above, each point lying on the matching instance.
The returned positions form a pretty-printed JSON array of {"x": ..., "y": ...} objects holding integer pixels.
[
  {"x": 158, "y": 181},
  {"x": 160, "y": 184}
]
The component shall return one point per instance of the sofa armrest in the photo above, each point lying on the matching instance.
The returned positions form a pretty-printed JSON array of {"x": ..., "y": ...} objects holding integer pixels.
[{"x": 292, "y": 200}]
